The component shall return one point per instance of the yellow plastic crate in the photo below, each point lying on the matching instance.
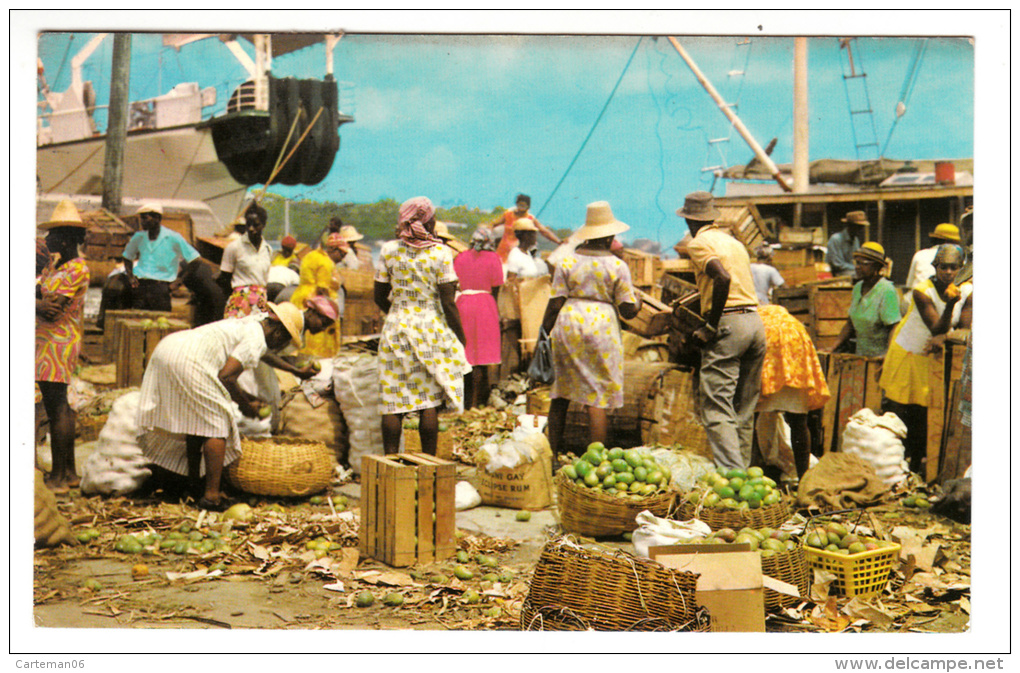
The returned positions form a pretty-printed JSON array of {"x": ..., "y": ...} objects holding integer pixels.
[{"x": 863, "y": 574}]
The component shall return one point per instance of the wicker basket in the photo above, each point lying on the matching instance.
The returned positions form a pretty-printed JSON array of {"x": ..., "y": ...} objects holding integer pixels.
[
  {"x": 282, "y": 466},
  {"x": 772, "y": 516},
  {"x": 577, "y": 588},
  {"x": 587, "y": 512},
  {"x": 790, "y": 567}
]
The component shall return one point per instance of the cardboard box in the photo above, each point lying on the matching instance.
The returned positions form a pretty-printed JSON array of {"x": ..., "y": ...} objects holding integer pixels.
[{"x": 731, "y": 584}]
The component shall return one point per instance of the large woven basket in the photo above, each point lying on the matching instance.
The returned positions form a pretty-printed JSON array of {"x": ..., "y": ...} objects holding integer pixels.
[
  {"x": 576, "y": 588},
  {"x": 772, "y": 516},
  {"x": 282, "y": 466},
  {"x": 790, "y": 567},
  {"x": 587, "y": 512}
]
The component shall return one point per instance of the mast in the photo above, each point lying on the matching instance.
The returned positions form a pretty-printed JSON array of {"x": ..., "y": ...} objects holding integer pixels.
[
  {"x": 800, "y": 115},
  {"x": 737, "y": 124},
  {"x": 116, "y": 133}
]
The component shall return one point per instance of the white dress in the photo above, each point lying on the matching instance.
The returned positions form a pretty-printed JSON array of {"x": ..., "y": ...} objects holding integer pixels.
[{"x": 183, "y": 395}]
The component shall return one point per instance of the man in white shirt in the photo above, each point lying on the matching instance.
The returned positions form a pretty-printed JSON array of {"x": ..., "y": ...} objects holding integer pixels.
[
  {"x": 523, "y": 260},
  {"x": 921, "y": 266}
]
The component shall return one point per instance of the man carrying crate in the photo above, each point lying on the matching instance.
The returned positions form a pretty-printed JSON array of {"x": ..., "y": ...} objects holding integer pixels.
[{"x": 732, "y": 341}]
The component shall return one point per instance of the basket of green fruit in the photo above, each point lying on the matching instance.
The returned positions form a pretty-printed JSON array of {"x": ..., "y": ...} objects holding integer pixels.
[
  {"x": 782, "y": 557},
  {"x": 282, "y": 466},
  {"x": 602, "y": 492},
  {"x": 736, "y": 499},
  {"x": 861, "y": 564},
  {"x": 589, "y": 587}
]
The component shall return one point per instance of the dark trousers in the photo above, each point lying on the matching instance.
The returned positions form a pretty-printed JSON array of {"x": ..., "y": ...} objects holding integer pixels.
[
  {"x": 915, "y": 417},
  {"x": 151, "y": 295}
]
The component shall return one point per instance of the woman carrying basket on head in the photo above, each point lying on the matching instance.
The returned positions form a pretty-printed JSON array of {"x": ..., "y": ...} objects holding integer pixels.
[
  {"x": 589, "y": 286},
  {"x": 421, "y": 348}
]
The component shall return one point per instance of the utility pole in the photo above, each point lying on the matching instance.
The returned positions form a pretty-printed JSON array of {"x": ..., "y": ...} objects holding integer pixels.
[{"x": 116, "y": 131}]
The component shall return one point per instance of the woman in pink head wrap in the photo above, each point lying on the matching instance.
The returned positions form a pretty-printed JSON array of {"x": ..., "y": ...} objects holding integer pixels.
[
  {"x": 317, "y": 279},
  {"x": 421, "y": 349}
]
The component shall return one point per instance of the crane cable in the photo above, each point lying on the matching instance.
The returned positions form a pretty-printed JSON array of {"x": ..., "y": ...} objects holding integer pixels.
[
  {"x": 908, "y": 88},
  {"x": 592, "y": 130}
]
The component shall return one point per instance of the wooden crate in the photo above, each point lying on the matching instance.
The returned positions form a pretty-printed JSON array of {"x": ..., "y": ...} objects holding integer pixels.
[
  {"x": 135, "y": 344},
  {"x": 361, "y": 317},
  {"x": 944, "y": 370},
  {"x": 357, "y": 283},
  {"x": 112, "y": 327},
  {"x": 407, "y": 509},
  {"x": 801, "y": 236},
  {"x": 784, "y": 258},
  {"x": 798, "y": 275},
  {"x": 645, "y": 269},
  {"x": 674, "y": 288},
  {"x": 853, "y": 385},
  {"x": 652, "y": 319},
  {"x": 746, "y": 224},
  {"x": 823, "y": 306}
]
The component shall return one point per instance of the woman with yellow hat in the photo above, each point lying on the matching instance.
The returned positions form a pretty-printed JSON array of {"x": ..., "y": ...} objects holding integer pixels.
[
  {"x": 186, "y": 409},
  {"x": 922, "y": 265},
  {"x": 59, "y": 313},
  {"x": 936, "y": 306},
  {"x": 589, "y": 286},
  {"x": 874, "y": 304}
]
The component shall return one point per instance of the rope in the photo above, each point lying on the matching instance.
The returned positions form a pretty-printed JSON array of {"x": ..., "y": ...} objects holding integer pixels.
[
  {"x": 908, "y": 87},
  {"x": 593, "y": 126}
]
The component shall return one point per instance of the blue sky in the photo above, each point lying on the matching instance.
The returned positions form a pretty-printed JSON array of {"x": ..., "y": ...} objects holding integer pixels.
[{"x": 475, "y": 119}]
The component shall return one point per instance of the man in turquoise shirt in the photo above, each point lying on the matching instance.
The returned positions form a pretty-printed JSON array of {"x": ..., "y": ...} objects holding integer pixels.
[{"x": 152, "y": 261}]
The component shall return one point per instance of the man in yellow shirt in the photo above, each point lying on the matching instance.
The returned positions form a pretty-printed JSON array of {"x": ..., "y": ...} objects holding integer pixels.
[
  {"x": 287, "y": 255},
  {"x": 732, "y": 341}
]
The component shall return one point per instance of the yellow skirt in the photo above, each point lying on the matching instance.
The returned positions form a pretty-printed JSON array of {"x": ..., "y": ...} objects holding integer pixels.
[{"x": 905, "y": 376}]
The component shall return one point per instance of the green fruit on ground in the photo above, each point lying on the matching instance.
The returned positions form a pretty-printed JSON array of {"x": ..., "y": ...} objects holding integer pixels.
[
  {"x": 493, "y": 612},
  {"x": 748, "y": 539},
  {"x": 168, "y": 543},
  {"x": 506, "y": 577},
  {"x": 443, "y": 427},
  {"x": 364, "y": 599},
  {"x": 490, "y": 577},
  {"x": 439, "y": 579},
  {"x": 239, "y": 512},
  {"x": 462, "y": 573},
  {"x": 736, "y": 472},
  {"x": 393, "y": 599},
  {"x": 570, "y": 471},
  {"x": 181, "y": 547},
  {"x": 753, "y": 472},
  {"x": 921, "y": 502},
  {"x": 92, "y": 584},
  {"x": 486, "y": 561},
  {"x": 462, "y": 556},
  {"x": 195, "y": 536},
  {"x": 523, "y": 515},
  {"x": 471, "y": 597},
  {"x": 909, "y": 501},
  {"x": 725, "y": 492},
  {"x": 628, "y": 536},
  {"x": 614, "y": 453},
  {"x": 632, "y": 457},
  {"x": 315, "y": 500}
]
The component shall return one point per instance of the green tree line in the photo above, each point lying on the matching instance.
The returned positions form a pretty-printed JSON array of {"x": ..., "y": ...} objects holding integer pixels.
[{"x": 376, "y": 221}]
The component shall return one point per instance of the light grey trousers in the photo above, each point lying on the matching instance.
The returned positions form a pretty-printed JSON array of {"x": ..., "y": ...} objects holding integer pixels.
[{"x": 729, "y": 385}]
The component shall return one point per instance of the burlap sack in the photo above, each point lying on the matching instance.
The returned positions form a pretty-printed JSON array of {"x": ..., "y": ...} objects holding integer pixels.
[
  {"x": 841, "y": 481},
  {"x": 324, "y": 423},
  {"x": 51, "y": 527}
]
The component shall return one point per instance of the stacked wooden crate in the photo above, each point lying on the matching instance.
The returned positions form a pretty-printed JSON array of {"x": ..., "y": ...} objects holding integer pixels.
[
  {"x": 113, "y": 326},
  {"x": 746, "y": 224},
  {"x": 823, "y": 307},
  {"x": 652, "y": 318},
  {"x": 797, "y": 259},
  {"x": 136, "y": 340},
  {"x": 853, "y": 385},
  {"x": 948, "y": 440},
  {"x": 645, "y": 268},
  {"x": 105, "y": 239}
]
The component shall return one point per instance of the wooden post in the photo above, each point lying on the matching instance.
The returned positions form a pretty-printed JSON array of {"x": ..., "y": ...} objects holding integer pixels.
[{"x": 116, "y": 131}]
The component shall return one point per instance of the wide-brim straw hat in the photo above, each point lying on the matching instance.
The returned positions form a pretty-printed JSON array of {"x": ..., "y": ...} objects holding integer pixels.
[
  {"x": 600, "y": 222},
  {"x": 350, "y": 234},
  {"x": 64, "y": 215},
  {"x": 946, "y": 232},
  {"x": 525, "y": 224},
  {"x": 871, "y": 252},
  {"x": 292, "y": 318},
  {"x": 699, "y": 206},
  {"x": 857, "y": 217}
]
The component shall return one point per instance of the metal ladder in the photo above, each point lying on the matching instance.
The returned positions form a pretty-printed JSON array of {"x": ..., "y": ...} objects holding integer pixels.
[
  {"x": 715, "y": 152},
  {"x": 862, "y": 118}
]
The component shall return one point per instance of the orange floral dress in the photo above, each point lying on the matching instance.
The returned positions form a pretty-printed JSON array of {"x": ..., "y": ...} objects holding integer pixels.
[
  {"x": 791, "y": 360},
  {"x": 58, "y": 343}
]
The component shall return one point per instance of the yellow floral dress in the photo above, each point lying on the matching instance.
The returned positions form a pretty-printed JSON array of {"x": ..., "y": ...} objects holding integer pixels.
[
  {"x": 791, "y": 361},
  {"x": 587, "y": 348},
  {"x": 317, "y": 272},
  {"x": 421, "y": 361}
]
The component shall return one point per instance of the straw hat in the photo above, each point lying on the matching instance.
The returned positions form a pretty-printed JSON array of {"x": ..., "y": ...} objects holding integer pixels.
[
  {"x": 64, "y": 215},
  {"x": 699, "y": 206},
  {"x": 856, "y": 217},
  {"x": 946, "y": 232},
  {"x": 443, "y": 232},
  {"x": 350, "y": 234},
  {"x": 600, "y": 222},
  {"x": 292, "y": 318},
  {"x": 525, "y": 224},
  {"x": 151, "y": 208},
  {"x": 871, "y": 252}
]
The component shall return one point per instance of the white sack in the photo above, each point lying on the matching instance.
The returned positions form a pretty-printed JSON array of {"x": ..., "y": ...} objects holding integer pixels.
[
  {"x": 878, "y": 441},
  {"x": 117, "y": 466},
  {"x": 653, "y": 532}
]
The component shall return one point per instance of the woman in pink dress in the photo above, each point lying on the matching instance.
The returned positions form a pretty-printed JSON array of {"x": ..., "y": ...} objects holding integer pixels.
[
  {"x": 59, "y": 311},
  {"x": 480, "y": 273}
]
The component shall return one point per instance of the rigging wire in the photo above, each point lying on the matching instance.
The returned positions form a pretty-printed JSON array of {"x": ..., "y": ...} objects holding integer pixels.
[
  {"x": 593, "y": 126},
  {"x": 908, "y": 88}
]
